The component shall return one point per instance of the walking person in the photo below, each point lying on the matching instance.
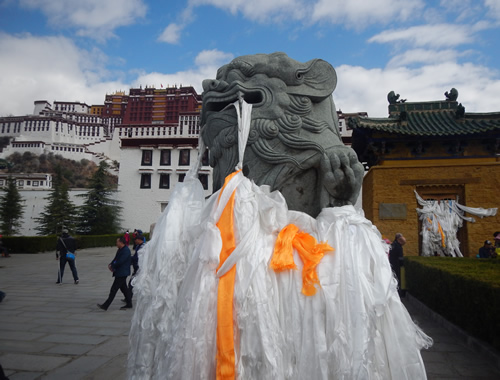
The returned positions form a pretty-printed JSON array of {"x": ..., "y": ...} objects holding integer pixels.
[
  {"x": 3, "y": 250},
  {"x": 66, "y": 243},
  {"x": 127, "y": 237},
  {"x": 120, "y": 266},
  {"x": 138, "y": 243},
  {"x": 396, "y": 258},
  {"x": 134, "y": 234}
]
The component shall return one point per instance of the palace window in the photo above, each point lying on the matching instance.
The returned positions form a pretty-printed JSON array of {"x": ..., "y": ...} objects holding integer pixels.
[
  {"x": 165, "y": 157},
  {"x": 145, "y": 181},
  {"x": 184, "y": 157},
  {"x": 147, "y": 158},
  {"x": 164, "y": 181}
]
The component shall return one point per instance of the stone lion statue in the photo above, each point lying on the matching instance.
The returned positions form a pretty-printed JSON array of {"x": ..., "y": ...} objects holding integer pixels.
[
  {"x": 452, "y": 96},
  {"x": 294, "y": 144}
]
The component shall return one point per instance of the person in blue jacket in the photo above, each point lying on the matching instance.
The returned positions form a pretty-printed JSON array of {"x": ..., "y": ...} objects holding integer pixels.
[
  {"x": 139, "y": 242},
  {"x": 120, "y": 266},
  {"x": 486, "y": 251}
]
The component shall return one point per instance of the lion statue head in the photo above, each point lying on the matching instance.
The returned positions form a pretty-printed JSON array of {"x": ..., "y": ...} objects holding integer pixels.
[{"x": 294, "y": 145}]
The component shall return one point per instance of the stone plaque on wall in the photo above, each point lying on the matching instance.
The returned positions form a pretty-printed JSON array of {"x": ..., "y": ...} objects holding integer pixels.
[{"x": 392, "y": 211}]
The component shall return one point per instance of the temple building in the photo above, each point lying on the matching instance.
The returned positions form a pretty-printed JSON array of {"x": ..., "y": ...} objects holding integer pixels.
[{"x": 436, "y": 150}]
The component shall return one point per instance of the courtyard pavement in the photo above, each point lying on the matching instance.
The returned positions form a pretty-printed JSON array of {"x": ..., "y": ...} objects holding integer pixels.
[{"x": 50, "y": 331}]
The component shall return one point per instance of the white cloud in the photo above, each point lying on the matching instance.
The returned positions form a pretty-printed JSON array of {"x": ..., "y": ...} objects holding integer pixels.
[
  {"x": 50, "y": 68},
  {"x": 435, "y": 36},
  {"x": 260, "y": 10},
  {"x": 54, "y": 68},
  {"x": 494, "y": 8},
  {"x": 464, "y": 10},
  {"x": 360, "y": 89},
  {"x": 91, "y": 18},
  {"x": 213, "y": 58},
  {"x": 358, "y": 14},
  {"x": 354, "y": 14},
  {"x": 256, "y": 10},
  {"x": 206, "y": 64},
  {"x": 171, "y": 34},
  {"x": 422, "y": 56}
]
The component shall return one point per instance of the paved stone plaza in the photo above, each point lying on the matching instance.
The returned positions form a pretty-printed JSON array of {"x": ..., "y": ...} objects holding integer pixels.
[{"x": 50, "y": 331}]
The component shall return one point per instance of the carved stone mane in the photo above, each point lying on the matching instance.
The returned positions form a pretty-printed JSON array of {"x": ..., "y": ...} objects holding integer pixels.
[{"x": 294, "y": 144}]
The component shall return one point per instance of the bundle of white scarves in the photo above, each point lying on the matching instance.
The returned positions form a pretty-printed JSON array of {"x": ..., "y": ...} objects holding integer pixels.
[
  {"x": 440, "y": 222},
  {"x": 191, "y": 322}
]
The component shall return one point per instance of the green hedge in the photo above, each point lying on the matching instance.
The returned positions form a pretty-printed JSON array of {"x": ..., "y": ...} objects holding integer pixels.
[
  {"x": 29, "y": 244},
  {"x": 35, "y": 244},
  {"x": 465, "y": 291}
]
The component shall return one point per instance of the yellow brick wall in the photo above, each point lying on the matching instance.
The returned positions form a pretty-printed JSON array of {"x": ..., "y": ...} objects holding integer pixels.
[{"x": 481, "y": 189}]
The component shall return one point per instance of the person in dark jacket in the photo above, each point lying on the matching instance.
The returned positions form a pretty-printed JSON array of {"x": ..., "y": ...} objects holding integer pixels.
[
  {"x": 138, "y": 243},
  {"x": 3, "y": 250},
  {"x": 487, "y": 250},
  {"x": 396, "y": 258},
  {"x": 120, "y": 266},
  {"x": 65, "y": 244}
]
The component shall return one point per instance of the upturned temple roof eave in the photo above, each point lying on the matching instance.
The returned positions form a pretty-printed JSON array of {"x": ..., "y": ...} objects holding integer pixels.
[{"x": 430, "y": 123}]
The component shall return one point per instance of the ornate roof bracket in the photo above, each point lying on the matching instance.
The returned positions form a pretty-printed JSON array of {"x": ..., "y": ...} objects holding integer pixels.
[
  {"x": 418, "y": 148},
  {"x": 456, "y": 147},
  {"x": 380, "y": 147},
  {"x": 492, "y": 145}
]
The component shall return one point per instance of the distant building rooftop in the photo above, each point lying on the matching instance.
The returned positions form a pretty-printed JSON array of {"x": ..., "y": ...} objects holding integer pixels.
[{"x": 434, "y": 118}]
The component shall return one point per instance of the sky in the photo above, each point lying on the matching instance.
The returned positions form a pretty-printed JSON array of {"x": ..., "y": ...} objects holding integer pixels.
[{"x": 81, "y": 50}]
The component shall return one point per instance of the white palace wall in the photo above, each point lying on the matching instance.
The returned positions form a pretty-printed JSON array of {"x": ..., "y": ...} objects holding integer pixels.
[
  {"x": 34, "y": 201},
  {"x": 142, "y": 205}
]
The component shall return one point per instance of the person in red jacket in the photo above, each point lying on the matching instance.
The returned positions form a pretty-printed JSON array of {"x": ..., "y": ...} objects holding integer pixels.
[{"x": 127, "y": 237}]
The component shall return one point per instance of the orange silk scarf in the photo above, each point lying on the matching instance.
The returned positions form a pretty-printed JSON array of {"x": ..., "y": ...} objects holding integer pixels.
[
  {"x": 310, "y": 252},
  {"x": 225, "y": 330}
]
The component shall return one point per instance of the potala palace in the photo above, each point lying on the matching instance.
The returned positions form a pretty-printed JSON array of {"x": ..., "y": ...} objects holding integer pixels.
[{"x": 148, "y": 136}]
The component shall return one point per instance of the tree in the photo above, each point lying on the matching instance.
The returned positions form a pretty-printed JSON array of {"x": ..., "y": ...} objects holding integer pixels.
[
  {"x": 100, "y": 213},
  {"x": 59, "y": 212},
  {"x": 11, "y": 208}
]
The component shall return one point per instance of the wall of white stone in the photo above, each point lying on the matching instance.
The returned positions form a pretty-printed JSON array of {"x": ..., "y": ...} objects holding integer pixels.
[
  {"x": 34, "y": 201},
  {"x": 142, "y": 207},
  {"x": 9, "y": 150}
]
